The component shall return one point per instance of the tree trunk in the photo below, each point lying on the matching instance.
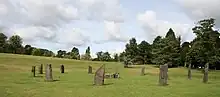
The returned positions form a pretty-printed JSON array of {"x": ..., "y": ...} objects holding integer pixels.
[
  {"x": 185, "y": 64},
  {"x": 126, "y": 63}
]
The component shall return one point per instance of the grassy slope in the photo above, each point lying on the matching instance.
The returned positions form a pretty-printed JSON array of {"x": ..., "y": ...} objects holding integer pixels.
[{"x": 16, "y": 80}]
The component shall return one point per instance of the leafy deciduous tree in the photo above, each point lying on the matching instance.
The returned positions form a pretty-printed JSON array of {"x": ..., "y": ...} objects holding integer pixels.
[
  {"x": 131, "y": 50},
  {"x": 87, "y": 54},
  {"x": 15, "y": 43},
  {"x": 205, "y": 47},
  {"x": 144, "y": 51},
  {"x": 3, "y": 39},
  {"x": 75, "y": 53}
]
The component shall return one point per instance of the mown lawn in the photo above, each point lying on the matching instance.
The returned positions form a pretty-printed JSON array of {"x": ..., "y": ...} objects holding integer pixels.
[{"x": 16, "y": 80}]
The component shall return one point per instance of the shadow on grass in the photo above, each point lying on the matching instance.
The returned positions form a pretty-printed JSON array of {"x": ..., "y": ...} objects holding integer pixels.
[
  {"x": 56, "y": 80},
  {"x": 163, "y": 85},
  {"x": 38, "y": 76},
  {"x": 64, "y": 73},
  {"x": 52, "y": 80},
  {"x": 105, "y": 84},
  {"x": 108, "y": 84},
  {"x": 144, "y": 74},
  {"x": 133, "y": 67}
]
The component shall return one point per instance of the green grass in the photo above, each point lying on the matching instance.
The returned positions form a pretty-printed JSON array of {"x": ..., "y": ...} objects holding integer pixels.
[{"x": 16, "y": 80}]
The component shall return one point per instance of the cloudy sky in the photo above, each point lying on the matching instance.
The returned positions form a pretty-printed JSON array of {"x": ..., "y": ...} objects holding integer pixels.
[{"x": 104, "y": 25}]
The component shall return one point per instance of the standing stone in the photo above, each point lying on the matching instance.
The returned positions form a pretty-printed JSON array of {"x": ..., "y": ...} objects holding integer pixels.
[
  {"x": 41, "y": 69},
  {"x": 99, "y": 76},
  {"x": 163, "y": 76},
  {"x": 90, "y": 70},
  {"x": 206, "y": 70},
  {"x": 62, "y": 68},
  {"x": 189, "y": 72},
  {"x": 49, "y": 76},
  {"x": 143, "y": 71},
  {"x": 33, "y": 70}
]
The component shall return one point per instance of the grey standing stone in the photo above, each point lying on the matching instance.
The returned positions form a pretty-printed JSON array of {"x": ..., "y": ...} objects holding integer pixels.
[
  {"x": 99, "y": 76},
  {"x": 62, "y": 68},
  {"x": 163, "y": 75},
  {"x": 90, "y": 70},
  {"x": 49, "y": 76},
  {"x": 189, "y": 72},
  {"x": 41, "y": 69},
  {"x": 206, "y": 70},
  {"x": 33, "y": 70},
  {"x": 143, "y": 71}
]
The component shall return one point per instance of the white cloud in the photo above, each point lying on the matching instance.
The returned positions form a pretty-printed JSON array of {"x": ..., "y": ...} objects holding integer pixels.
[
  {"x": 46, "y": 20},
  {"x": 31, "y": 33},
  {"x": 36, "y": 12},
  {"x": 3, "y": 9},
  {"x": 68, "y": 37},
  {"x": 201, "y": 9},
  {"x": 113, "y": 31},
  {"x": 109, "y": 10},
  {"x": 72, "y": 37},
  {"x": 154, "y": 26}
]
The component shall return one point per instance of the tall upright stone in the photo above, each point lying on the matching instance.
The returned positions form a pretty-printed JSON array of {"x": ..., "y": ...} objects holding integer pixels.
[
  {"x": 163, "y": 75},
  {"x": 189, "y": 72},
  {"x": 62, "y": 68},
  {"x": 40, "y": 69},
  {"x": 33, "y": 70},
  {"x": 206, "y": 70},
  {"x": 48, "y": 73},
  {"x": 99, "y": 76},
  {"x": 90, "y": 70},
  {"x": 143, "y": 71}
]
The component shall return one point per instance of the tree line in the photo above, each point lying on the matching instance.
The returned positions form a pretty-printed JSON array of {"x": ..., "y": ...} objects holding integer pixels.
[
  {"x": 14, "y": 45},
  {"x": 204, "y": 48}
]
